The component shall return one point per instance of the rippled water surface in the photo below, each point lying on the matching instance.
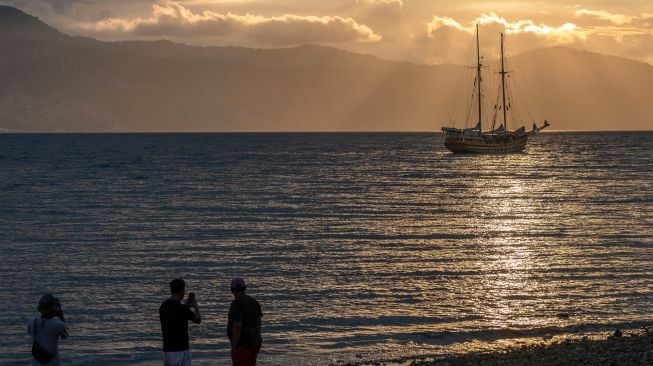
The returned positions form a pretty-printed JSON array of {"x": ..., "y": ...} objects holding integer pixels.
[{"x": 358, "y": 246}]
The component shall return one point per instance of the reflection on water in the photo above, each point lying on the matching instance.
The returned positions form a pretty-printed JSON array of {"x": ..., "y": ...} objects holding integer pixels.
[{"x": 371, "y": 244}]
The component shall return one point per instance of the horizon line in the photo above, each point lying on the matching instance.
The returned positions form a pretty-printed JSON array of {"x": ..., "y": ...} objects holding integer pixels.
[{"x": 277, "y": 132}]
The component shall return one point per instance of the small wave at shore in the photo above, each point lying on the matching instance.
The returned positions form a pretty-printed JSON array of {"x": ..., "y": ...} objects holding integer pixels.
[{"x": 444, "y": 338}]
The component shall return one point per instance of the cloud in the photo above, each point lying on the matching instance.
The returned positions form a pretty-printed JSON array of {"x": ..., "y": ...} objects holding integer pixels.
[
  {"x": 43, "y": 6},
  {"x": 383, "y": 4},
  {"x": 293, "y": 29},
  {"x": 387, "y": 4},
  {"x": 616, "y": 25},
  {"x": 620, "y": 34},
  {"x": 446, "y": 39},
  {"x": 439, "y": 23},
  {"x": 566, "y": 32},
  {"x": 419, "y": 31},
  {"x": 381, "y": 14},
  {"x": 173, "y": 20},
  {"x": 60, "y": 6},
  {"x": 618, "y": 19}
]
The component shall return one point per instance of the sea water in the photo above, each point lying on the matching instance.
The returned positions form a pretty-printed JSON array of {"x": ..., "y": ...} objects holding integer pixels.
[{"x": 359, "y": 247}]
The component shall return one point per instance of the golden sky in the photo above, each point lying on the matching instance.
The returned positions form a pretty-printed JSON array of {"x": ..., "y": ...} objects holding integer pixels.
[{"x": 423, "y": 31}]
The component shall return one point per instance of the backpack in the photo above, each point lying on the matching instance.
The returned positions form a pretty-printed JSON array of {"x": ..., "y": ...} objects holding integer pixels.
[{"x": 39, "y": 353}]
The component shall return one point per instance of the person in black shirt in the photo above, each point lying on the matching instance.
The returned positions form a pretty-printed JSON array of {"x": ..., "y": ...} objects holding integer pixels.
[
  {"x": 244, "y": 326},
  {"x": 174, "y": 325}
]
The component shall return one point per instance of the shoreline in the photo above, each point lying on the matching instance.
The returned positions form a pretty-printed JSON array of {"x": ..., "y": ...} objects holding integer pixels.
[{"x": 630, "y": 348}]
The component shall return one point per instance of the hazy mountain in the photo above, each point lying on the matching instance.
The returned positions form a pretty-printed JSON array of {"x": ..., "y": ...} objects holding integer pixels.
[{"x": 52, "y": 82}]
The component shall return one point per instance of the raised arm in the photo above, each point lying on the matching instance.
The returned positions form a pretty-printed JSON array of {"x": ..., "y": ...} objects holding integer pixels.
[
  {"x": 198, "y": 317},
  {"x": 64, "y": 331}
]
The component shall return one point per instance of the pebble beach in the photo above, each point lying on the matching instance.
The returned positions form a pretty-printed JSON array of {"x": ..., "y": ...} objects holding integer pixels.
[
  {"x": 628, "y": 348},
  {"x": 620, "y": 349}
]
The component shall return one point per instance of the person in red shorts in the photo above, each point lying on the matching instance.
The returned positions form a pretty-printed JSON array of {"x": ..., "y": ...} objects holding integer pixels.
[{"x": 244, "y": 326}]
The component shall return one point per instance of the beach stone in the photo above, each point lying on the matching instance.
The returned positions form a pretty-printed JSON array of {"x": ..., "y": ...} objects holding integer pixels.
[
  {"x": 613, "y": 351},
  {"x": 617, "y": 333}
]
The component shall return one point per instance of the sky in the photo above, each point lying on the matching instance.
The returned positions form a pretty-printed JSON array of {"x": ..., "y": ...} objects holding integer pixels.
[{"x": 420, "y": 31}]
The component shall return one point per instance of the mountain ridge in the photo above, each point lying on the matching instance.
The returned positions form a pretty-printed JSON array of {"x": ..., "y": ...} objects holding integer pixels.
[
  {"x": 20, "y": 24},
  {"x": 81, "y": 84}
]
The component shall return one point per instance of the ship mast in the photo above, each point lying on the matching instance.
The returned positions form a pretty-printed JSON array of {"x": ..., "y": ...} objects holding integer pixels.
[
  {"x": 503, "y": 87},
  {"x": 478, "y": 78}
]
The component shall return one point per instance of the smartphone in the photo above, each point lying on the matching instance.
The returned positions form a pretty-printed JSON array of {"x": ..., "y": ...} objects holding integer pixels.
[{"x": 191, "y": 299}]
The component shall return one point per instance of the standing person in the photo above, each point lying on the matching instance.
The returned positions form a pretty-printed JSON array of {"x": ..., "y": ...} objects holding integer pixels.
[
  {"x": 46, "y": 330},
  {"x": 174, "y": 324},
  {"x": 244, "y": 326}
]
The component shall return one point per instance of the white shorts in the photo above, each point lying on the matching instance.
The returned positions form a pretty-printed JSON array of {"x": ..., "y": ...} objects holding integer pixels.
[{"x": 176, "y": 358}]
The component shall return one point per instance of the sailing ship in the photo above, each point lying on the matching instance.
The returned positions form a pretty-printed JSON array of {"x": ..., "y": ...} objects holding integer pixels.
[{"x": 493, "y": 140}]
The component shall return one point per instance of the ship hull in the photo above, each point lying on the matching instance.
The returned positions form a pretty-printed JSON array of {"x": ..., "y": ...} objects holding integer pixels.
[{"x": 480, "y": 144}]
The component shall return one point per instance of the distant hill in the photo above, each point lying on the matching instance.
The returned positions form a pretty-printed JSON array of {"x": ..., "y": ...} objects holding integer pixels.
[{"x": 53, "y": 82}]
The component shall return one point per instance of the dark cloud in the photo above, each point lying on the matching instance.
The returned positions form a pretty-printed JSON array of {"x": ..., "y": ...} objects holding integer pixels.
[{"x": 45, "y": 7}]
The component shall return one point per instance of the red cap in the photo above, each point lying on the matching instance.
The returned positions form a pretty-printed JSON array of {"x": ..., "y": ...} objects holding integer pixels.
[{"x": 238, "y": 283}]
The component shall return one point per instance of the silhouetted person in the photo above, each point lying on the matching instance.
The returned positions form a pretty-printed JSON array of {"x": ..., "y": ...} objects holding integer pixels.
[
  {"x": 46, "y": 329},
  {"x": 174, "y": 325},
  {"x": 244, "y": 327}
]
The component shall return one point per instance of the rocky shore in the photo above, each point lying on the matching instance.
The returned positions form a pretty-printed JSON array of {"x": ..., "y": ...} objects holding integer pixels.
[{"x": 619, "y": 349}]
